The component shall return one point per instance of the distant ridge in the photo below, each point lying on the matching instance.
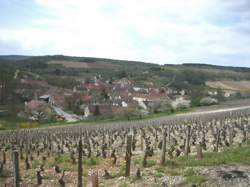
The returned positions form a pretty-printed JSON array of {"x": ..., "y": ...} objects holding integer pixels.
[
  {"x": 241, "y": 69},
  {"x": 99, "y": 60},
  {"x": 14, "y": 57}
]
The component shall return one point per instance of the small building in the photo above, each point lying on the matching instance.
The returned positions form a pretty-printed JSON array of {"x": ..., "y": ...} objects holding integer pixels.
[
  {"x": 46, "y": 98},
  {"x": 180, "y": 103}
]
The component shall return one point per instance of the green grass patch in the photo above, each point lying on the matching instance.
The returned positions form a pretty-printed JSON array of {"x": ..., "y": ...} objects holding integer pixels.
[
  {"x": 155, "y": 185},
  {"x": 189, "y": 172},
  {"x": 36, "y": 164},
  {"x": 192, "y": 177},
  {"x": 151, "y": 163},
  {"x": 160, "y": 169},
  {"x": 195, "y": 179},
  {"x": 170, "y": 164},
  {"x": 121, "y": 171},
  {"x": 139, "y": 161},
  {"x": 124, "y": 184},
  {"x": 133, "y": 179},
  {"x": 173, "y": 172},
  {"x": 159, "y": 174},
  {"x": 229, "y": 156},
  {"x": 63, "y": 158},
  {"x": 11, "y": 122},
  {"x": 92, "y": 161}
]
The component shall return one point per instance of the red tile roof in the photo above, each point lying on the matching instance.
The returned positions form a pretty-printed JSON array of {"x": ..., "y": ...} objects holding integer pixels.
[{"x": 34, "y": 104}]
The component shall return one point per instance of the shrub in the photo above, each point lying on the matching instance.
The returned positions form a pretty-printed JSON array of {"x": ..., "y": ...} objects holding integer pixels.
[
  {"x": 195, "y": 179},
  {"x": 91, "y": 161}
]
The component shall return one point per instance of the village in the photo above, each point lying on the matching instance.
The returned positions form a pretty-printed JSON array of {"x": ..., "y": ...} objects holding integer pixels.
[{"x": 100, "y": 97}]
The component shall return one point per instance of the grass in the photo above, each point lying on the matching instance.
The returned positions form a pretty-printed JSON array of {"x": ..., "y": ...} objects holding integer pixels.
[
  {"x": 122, "y": 170},
  {"x": 151, "y": 163},
  {"x": 229, "y": 156},
  {"x": 173, "y": 172},
  {"x": 155, "y": 185},
  {"x": 171, "y": 164},
  {"x": 195, "y": 179},
  {"x": 188, "y": 166},
  {"x": 92, "y": 161},
  {"x": 63, "y": 158},
  {"x": 189, "y": 172},
  {"x": 192, "y": 177},
  {"x": 160, "y": 169},
  {"x": 63, "y": 161},
  {"x": 139, "y": 161},
  {"x": 36, "y": 163},
  {"x": 10, "y": 122},
  {"x": 168, "y": 171},
  {"x": 124, "y": 184},
  {"x": 66, "y": 163},
  {"x": 134, "y": 179},
  {"x": 159, "y": 174}
]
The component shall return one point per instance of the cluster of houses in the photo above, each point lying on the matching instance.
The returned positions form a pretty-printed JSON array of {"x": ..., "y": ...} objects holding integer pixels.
[{"x": 101, "y": 98}]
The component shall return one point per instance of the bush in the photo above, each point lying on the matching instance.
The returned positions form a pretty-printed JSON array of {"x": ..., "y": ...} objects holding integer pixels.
[
  {"x": 151, "y": 163},
  {"x": 195, "y": 179},
  {"x": 2, "y": 127},
  {"x": 91, "y": 161},
  {"x": 27, "y": 125},
  {"x": 189, "y": 172}
]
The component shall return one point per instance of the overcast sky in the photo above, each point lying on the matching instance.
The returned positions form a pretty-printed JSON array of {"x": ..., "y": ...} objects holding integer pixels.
[{"x": 158, "y": 31}]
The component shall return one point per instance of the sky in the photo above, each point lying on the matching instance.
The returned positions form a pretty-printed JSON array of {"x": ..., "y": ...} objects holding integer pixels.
[{"x": 157, "y": 31}]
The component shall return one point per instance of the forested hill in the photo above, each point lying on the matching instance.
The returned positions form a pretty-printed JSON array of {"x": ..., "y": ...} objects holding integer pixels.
[
  {"x": 46, "y": 58},
  {"x": 85, "y": 81},
  {"x": 181, "y": 75}
]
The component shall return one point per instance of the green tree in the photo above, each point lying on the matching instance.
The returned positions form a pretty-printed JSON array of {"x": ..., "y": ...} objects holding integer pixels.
[
  {"x": 7, "y": 83},
  {"x": 220, "y": 95}
]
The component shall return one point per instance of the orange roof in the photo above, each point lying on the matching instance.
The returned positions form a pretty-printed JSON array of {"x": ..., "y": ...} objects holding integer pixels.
[{"x": 34, "y": 104}]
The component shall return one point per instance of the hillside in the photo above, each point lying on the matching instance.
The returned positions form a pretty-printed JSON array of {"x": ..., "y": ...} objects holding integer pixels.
[
  {"x": 87, "y": 86},
  {"x": 135, "y": 69}
]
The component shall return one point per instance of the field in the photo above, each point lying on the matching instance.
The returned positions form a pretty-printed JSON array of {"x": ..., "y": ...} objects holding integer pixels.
[
  {"x": 73, "y": 64},
  {"x": 203, "y": 148},
  {"x": 198, "y": 146},
  {"x": 230, "y": 85}
]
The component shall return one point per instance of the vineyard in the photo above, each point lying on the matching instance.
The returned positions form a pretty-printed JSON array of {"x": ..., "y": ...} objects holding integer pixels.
[{"x": 139, "y": 153}]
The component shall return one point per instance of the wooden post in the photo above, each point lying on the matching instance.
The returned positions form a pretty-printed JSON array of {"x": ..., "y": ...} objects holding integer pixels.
[
  {"x": 94, "y": 179},
  {"x": 244, "y": 133},
  {"x": 163, "y": 148},
  {"x": 199, "y": 152},
  {"x": 169, "y": 136},
  {"x": 231, "y": 136},
  {"x": 39, "y": 177},
  {"x": 4, "y": 157},
  {"x": 156, "y": 139},
  {"x": 61, "y": 181},
  {"x": 128, "y": 155},
  {"x": 1, "y": 168},
  {"x": 217, "y": 140},
  {"x": 187, "y": 148},
  {"x": 80, "y": 183},
  {"x": 146, "y": 154},
  {"x": 16, "y": 169},
  {"x": 138, "y": 173},
  {"x": 144, "y": 162},
  {"x": 141, "y": 141}
]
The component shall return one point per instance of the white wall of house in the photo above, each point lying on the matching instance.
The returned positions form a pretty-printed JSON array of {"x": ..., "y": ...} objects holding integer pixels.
[{"x": 124, "y": 104}]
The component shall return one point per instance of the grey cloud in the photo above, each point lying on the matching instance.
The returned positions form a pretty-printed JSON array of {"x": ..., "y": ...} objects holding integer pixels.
[{"x": 240, "y": 6}]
